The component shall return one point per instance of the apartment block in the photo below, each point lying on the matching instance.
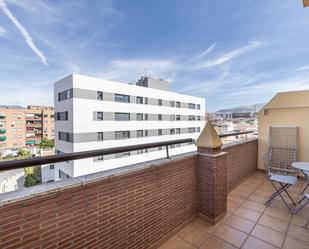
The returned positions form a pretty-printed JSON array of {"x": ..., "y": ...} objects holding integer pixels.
[
  {"x": 21, "y": 127},
  {"x": 92, "y": 113}
]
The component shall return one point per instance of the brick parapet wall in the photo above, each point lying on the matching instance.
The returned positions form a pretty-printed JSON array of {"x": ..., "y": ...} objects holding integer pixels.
[
  {"x": 130, "y": 210},
  {"x": 241, "y": 161}
]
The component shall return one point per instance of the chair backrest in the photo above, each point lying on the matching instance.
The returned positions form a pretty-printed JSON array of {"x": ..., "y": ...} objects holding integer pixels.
[{"x": 283, "y": 149}]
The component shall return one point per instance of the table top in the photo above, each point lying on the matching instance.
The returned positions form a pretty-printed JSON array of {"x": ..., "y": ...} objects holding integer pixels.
[{"x": 301, "y": 165}]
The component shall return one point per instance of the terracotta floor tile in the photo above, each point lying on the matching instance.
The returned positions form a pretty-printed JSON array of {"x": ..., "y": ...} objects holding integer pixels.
[
  {"x": 248, "y": 214},
  {"x": 241, "y": 224},
  {"x": 298, "y": 232},
  {"x": 194, "y": 235},
  {"x": 279, "y": 214},
  {"x": 215, "y": 243},
  {"x": 292, "y": 243},
  {"x": 176, "y": 243},
  {"x": 232, "y": 206},
  {"x": 266, "y": 234},
  {"x": 257, "y": 198},
  {"x": 298, "y": 220},
  {"x": 254, "y": 243},
  {"x": 274, "y": 223},
  {"x": 231, "y": 235},
  {"x": 254, "y": 206},
  {"x": 235, "y": 199}
]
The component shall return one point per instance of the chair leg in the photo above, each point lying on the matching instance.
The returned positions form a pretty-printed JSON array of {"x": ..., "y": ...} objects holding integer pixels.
[
  {"x": 278, "y": 192},
  {"x": 301, "y": 207},
  {"x": 305, "y": 189},
  {"x": 285, "y": 190}
]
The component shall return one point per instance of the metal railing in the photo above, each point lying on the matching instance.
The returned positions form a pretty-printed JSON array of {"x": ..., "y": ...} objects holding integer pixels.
[
  {"x": 34, "y": 161},
  {"x": 236, "y": 134}
]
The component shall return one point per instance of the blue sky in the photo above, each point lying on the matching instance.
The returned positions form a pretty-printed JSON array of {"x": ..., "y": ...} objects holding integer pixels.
[{"x": 232, "y": 52}]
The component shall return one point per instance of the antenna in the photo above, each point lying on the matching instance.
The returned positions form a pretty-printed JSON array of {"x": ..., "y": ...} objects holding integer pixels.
[{"x": 145, "y": 69}]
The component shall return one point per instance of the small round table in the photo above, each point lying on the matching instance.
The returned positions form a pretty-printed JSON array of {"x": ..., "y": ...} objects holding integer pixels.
[{"x": 304, "y": 168}]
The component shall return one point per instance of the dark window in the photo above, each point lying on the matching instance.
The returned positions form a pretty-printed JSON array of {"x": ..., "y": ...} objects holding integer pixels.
[
  {"x": 139, "y": 116},
  {"x": 100, "y": 136},
  {"x": 100, "y": 116},
  {"x": 51, "y": 167},
  {"x": 65, "y": 136},
  {"x": 160, "y": 117},
  {"x": 146, "y": 101},
  {"x": 122, "y": 135},
  {"x": 122, "y": 116},
  {"x": 191, "y": 118},
  {"x": 198, "y": 129},
  {"x": 122, "y": 98},
  {"x": 159, "y": 101},
  {"x": 139, "y": 100},
  {"x": 60, "y": 116},
  {"x": 191, "y": 130},
  {"x": 63, "y": 175},
  {"x": 191, "y": 106},
  {"x": 160, "y": 132},
  {"x": 178, "y": 117},
  {"x": 177, "y": 130},
  {"x": 172, "y": 131},
  {"x": 100, "y": 158},
  {"x": 198, "y": 118},
  {"x": 99, "y": 95},
  {"x": 178, "y": 104},
  {"x": 140, "y": 133},
  {"x": 172, "y": 103},
  {"x": 146, "y": 133},
  {"x": 198, "y": 106},
  {"x": 67, "y": 94},
  {"x": 146, "y": 116}
]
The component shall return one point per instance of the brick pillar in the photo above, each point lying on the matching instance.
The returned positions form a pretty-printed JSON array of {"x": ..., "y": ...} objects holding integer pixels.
[{"x": 212, "y": 181}]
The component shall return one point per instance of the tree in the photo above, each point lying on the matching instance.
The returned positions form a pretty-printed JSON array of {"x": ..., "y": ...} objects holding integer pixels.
[
  {"x": 32, "y": 176},
  {"x": 47, "y": 143},
  {"x": 23, "y": 152}
]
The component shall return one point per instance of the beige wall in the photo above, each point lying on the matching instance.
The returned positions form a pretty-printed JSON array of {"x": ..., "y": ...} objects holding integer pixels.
[{"x": 285, "y": 109}]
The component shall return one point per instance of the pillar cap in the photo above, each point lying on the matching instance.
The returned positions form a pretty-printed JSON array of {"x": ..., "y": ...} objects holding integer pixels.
[{"x": 209, "y": 137}]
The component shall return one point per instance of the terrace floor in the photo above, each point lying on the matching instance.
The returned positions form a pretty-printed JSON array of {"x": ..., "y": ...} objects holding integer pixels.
[{"x": 248, "y": 223}]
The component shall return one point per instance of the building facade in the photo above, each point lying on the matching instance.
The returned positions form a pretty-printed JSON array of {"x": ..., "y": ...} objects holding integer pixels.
[
  {"x": 92, "y": 113},
  {"x": 25, "y": 127}
]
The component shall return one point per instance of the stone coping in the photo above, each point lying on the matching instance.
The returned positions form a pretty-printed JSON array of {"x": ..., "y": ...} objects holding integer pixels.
[
  {"x": 51, "y": 187},
  {"x": 235, "y": 143}
]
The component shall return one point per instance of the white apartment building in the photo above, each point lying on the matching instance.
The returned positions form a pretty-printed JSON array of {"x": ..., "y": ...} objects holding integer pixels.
[{"x": 93, "y": 113}]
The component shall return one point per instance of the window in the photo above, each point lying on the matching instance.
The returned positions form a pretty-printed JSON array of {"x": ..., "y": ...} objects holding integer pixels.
[
  {"x": 99, "y": 158},
  {"x": 172, "y": 131},
  {"x": 146, "y": 133},
  {"x": 140, "y": 133},
  {"x": 51, "y": 167},
  {"x": 139, "y": 116},
  {"x": 191, "y": 106},
  {"x": 122, "y": 116},
  {"x": 198, "y": 106},
  {"x": 139, "y": 100},
  {"x": 172, "y": 103},
  {"x": 122, "y": 98},
  {"x": 100, "y": 136},
  {"x": 159, "y": 117},
  {"x": 191, "y": 129},
  {"x": 177, "y": 130},
  {"x": 99, "y": 95},
  {"x": 122, "y": 135},
  {"x": 160, "y": 102},
  {"x": 139, "y": 152},
  {"x": 100, "y": 116},
  {"x": 63, "y": 175},
  {"x": 67, "y": 94},
  {"x": 198, "y": 118},
  {"x": 146, "y": 116},
  {"x": 178, "y": 104},
  {"x": 191, "y": 118},
  {"x": 198, "y": 129},
  {"x": 124, "y": 154},
  {"x": 178, "y": 117},
  {"x": 172, "y": 117},
  {"x": 65, "y": 136},
  {"x": 61, "y": 116},
  {"x": 146, "y": 101},
  {"x": 160, "y": 132},
  {"x": 58, "y": 152}
]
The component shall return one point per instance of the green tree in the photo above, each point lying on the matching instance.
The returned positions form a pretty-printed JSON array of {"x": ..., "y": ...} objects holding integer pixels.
[
  {"x": 32, "y": 176},
  {"x": 47, "y": 143},
  {"x": 23, "y": 152}
]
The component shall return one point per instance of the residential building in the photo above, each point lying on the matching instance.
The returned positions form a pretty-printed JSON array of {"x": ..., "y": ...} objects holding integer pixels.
[
  {"x": 285, "y": 109},
  {"x": 92, "y": 113},
  {"x": 21, "y": 127}
]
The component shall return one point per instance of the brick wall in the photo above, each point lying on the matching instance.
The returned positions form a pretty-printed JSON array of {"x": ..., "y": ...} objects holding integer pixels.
[
  {"x": 241, "y": 161},
  {"x": 132, "y": 210}
]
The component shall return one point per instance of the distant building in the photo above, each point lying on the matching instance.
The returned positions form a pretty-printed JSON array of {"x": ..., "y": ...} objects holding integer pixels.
[
  {"x": 94, "y": 114},
  {"x": 25, "y": 127}
]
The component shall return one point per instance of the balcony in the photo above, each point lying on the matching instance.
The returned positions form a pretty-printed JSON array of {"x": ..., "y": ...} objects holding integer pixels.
[
  {"x": 2, "y": 115},
  {"x": 167, "y": 203},
  {"x": 2, "y": 130},
  {"x": 2, "y": 138}
]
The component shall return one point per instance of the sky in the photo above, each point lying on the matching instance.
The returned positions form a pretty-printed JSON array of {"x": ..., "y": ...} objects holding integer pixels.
[{"x": 230, "y": 52}]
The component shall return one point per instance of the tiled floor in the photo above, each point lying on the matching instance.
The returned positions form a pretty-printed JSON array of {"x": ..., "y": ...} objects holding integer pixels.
[{"x": 248, "y": 224}]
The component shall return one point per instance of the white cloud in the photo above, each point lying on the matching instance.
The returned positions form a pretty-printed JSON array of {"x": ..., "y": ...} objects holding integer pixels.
[
  {"x": 2, "y": 31},
  {"x": 225, "y": 57},
  {"x": 303, "y": 68},
  {"x": 204, "y": 53},
  {"x": 24, "y": 32}
]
